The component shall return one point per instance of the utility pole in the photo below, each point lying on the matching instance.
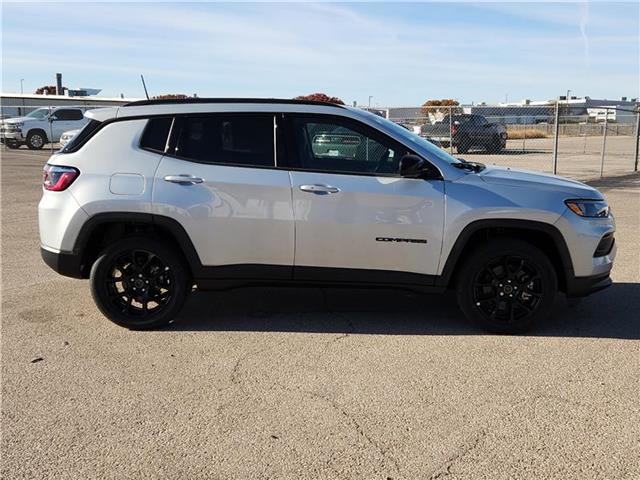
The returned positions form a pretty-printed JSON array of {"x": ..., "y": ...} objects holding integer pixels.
[
  {"x": 22, "y": 85},
  {"x": 370, "y": 97}
]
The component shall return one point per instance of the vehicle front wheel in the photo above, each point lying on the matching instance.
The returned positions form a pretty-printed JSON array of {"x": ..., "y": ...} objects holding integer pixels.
[
  {"x": 140, "y": 283},
  {"x": 13, "y": 145},
  {"x": 507, "y": 285},
  {"x": 36, "y": 140}
]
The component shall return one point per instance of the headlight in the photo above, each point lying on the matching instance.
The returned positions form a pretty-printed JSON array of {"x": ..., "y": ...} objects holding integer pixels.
[{"x": 589, "y": 208}]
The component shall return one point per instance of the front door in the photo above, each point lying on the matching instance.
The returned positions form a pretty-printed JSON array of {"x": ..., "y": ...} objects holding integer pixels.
[
  {"x": 356, "y": 218},
  {"x": 220, "y": 183}
]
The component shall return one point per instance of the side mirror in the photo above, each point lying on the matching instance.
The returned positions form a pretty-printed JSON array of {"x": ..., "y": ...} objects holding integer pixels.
[
  {"x": 412, "y": 166},
  {"x": 52, "y": 118}
]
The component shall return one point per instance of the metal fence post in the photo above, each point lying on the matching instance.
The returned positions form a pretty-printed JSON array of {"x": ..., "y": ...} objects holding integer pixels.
[
  {"x": 604, "y": 140},
  {"x": 555, "y": 139},
  {"x": 635, "y": 164},
  {"x": 51, "y": 130},
  {"x": 450, "y": 130}
]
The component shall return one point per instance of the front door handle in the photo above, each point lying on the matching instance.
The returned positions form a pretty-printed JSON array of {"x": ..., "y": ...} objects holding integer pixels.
[
  {"x": 319, "y": 189},
  {"x": 183, "y": 179}
]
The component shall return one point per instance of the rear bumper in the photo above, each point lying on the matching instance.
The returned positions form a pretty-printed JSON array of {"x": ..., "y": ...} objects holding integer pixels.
[
  {"x": 583, "y": 286},
  {"x": 65, "y": 263}
]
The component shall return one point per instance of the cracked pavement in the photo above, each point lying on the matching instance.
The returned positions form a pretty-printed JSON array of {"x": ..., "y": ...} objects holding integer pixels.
[{"x": 313, "y": 383}]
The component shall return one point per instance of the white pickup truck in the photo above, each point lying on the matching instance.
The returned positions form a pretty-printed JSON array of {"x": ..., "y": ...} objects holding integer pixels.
[{"x": 43, "y": 125}]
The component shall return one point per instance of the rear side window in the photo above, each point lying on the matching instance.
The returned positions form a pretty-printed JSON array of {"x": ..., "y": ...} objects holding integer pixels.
[
  {"x": 69, "y": 114},
  {"x": 228, "y": 139},
  {"x": 155, "y": 134},
  {"x": 81, "y": 137}
]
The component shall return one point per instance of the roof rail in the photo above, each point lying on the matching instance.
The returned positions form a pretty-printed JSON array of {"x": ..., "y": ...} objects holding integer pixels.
[{"x": 169, "y": 101}]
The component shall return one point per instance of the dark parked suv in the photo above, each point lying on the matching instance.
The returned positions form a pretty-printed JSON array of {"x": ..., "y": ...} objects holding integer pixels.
[{"x": 467, "y": 131}]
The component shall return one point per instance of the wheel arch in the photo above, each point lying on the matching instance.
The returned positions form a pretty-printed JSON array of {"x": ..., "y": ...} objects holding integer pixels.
[
  {"x": 543, "y": 235},
  {"x": 102, "y": 229}
]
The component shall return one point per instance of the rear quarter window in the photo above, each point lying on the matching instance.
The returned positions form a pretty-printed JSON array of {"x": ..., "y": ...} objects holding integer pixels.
[{"x": 155, "y": 134}]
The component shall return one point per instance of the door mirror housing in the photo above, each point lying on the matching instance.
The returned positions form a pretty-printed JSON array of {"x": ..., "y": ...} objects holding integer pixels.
[{"x": 412, "y": 166}]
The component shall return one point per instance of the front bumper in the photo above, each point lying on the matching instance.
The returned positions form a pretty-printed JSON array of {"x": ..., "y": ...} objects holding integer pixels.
[
  {"x": 11, "y": 136},
  {"x": 68, "y": 264},
  {"x": 583, "y": 286}
]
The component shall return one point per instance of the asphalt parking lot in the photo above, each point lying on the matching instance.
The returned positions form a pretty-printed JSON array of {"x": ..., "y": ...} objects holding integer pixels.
[{"x": 315, "y": 383}]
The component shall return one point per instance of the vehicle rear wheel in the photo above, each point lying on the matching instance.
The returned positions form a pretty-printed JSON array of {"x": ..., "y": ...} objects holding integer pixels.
[
  {"x": 139, "y": 283},
  {"x": 496, "y": 145},
  {"x": 36, "y": 139},
  {"x": 463, "y": 145},
  {"x": 507, "y": 285},
  {"x": 13, "y": 145}
]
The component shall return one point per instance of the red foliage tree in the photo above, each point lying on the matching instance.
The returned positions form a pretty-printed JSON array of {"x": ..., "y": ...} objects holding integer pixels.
[
  {"x": 320, "y": 97},
  {"x": 46, "y": 90},
  {"x": 431, "y": 106}
]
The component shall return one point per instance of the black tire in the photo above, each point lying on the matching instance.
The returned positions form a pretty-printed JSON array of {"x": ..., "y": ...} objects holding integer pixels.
[
  {"x": 495, "y": 146},
  {"x": 36, "y": 139},
  {"x": 463, "y": 145},
  {"x": 507, "y": 285},
  {"x": 13, "y": 145},
  {"x": 140, "y": 283}
]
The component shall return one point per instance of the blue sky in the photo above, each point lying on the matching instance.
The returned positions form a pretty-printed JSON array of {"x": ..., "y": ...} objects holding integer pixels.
[{"x": 402, "y": 54}]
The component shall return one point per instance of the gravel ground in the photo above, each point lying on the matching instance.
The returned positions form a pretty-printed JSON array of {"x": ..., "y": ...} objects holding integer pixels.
[{"x": 315, "y": 383}]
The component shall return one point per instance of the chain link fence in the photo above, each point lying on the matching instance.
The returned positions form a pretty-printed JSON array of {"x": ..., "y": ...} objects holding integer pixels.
[
  {"x": 550, "y": 138},
  {"x": 555, "y": 138}
]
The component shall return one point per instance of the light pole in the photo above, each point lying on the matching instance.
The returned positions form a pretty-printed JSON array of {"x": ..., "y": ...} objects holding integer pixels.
[
  {"x": 370, "y": 97},
  {"x": 22, "y": 85}
]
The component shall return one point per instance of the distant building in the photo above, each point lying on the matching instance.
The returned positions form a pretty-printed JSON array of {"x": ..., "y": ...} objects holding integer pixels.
[
  {"x": 528, "y": 112},
  {"x": 18, "y": 104}
]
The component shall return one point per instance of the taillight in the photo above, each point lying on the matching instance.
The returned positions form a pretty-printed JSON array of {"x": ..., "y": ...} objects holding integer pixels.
[
  {"x": 56, "y": 178},
  {"x": 454, "y": 129}
]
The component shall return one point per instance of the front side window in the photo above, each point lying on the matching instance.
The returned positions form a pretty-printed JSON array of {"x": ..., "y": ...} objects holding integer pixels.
[
  {"x": 334, "y": 145},
  {"x": 228, "y": 139},
  {"x": 39, "y": 113}
]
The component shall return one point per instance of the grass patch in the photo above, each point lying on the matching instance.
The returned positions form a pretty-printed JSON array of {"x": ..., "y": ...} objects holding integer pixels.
[{"x": 520, "y": 133}]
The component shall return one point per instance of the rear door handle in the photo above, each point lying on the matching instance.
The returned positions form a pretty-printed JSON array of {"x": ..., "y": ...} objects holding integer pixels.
[
  {"x": 319, "y": 189},
  {"x": 183, "y": 179}
]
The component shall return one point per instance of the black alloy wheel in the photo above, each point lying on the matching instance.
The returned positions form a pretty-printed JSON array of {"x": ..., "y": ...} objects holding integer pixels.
[
  {"x": 139, "y": 283},
  {"x": 507, "y": 285},
  {"x": 507, "y": 289}
]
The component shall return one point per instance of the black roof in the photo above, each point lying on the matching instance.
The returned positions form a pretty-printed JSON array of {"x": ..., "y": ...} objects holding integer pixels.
[{"x": 141, "y": 103}]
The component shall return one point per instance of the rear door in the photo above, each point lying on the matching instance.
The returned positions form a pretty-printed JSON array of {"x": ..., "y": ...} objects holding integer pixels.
[
  {"x": 220, "y": 182},
  {"x": 356, "y": 218}
]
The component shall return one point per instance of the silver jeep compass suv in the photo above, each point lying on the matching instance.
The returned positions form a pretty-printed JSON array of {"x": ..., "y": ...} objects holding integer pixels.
[{"x": 154, "y": 197}]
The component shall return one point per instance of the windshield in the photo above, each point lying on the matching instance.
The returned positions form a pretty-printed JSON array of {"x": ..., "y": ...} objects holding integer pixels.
[
  {"x": 39, "y": 113},
  {"x": 421, "y": 144}
]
